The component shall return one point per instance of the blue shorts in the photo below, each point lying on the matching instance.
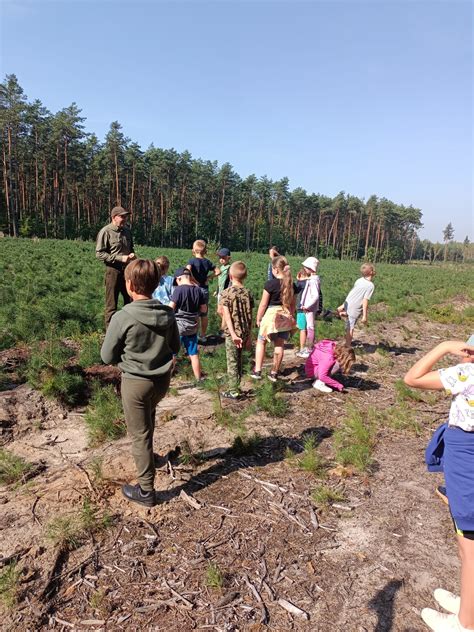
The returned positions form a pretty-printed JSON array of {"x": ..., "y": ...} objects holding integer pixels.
[
  {"x": 459, "y": 477},
  {"x": 282, "y": 335},
  {"x": 190, "y": 343},
  {"x": 301, "y": 321}
]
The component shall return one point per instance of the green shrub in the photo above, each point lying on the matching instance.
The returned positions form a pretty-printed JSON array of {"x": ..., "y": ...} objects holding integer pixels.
[
  {"x": 309, "y": 459},
  {"x": 90, "y": 350},
  {"x": 270, "y": 400},
  {"x": 355, "y": 440},
  {"x": 69, "y": 532},
  {"x": 12, "y": 467},
  {"x": 323, "y": 495},
  {"x": 104, "y": 415},
  {"x": 214, "y": 576},
  {"x": 9, "y": 585},
  {"x": 246, "y": 446}
]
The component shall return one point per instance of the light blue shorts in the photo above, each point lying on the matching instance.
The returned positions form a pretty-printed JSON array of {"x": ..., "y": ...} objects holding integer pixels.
[{"x": 301, "y": 321}]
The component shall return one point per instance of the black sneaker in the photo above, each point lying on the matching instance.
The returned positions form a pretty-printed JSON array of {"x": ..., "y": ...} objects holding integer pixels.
[
  {"x": 137, "y": 495},
  {"x": 273, "y": 376},
  {"x": 256, "y": 375},
  {"x": 441, "y": 491},
  {"x": 231, "y": 394}
]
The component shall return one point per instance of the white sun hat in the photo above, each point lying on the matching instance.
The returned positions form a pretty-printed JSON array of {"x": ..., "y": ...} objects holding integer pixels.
[{"x": 312, "y": 263}]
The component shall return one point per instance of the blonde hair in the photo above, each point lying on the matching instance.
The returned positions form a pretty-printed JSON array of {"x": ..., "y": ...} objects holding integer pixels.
[
  {"x": 367, "y": 269},
  {"x": 280, "y": 264},
  {"x": 238, "y": 270},
  {"x": 200, "y": 247},
  {"x": 163, "y": 262},
  {"x": 144, "y": 276},
  {"x": 345, "y": 356}
]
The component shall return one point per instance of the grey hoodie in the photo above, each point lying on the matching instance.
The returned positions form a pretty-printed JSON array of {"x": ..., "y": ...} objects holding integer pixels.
[{"x": 141, "y": 339}]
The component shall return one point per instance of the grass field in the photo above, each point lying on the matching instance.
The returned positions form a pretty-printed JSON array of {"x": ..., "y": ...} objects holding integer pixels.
[{"x": 56, "y": 287}]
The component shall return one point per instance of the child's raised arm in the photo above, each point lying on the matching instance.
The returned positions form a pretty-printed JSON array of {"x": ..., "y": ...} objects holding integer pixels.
[{"x": 421, "y": 374}]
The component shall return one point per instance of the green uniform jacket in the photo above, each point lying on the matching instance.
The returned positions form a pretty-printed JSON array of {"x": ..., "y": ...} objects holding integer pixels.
[
  {"x": 141, "y": 339},
  {"x": 113, "y": 243}
]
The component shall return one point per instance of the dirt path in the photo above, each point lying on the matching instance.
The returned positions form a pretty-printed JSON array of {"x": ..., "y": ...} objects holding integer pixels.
[{"x": 370, "y": 564}]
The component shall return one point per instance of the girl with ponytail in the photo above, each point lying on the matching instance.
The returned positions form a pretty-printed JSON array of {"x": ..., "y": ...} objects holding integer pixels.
[{"x": 275, "y": 316}]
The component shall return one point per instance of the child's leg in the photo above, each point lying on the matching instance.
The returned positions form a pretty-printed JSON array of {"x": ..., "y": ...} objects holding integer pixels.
[
  {"x": 303, "y": 335},
  {"x": 139, "y": 401},
  {"x": 204, "y": 317},
  {"x": 232, "y": 355},
  {"x": 466, "y": 553},
  {"x": 278, "y": 354},
  {"x": 310, "y": 327},
  {"x": 349, "y": 336},
  {"x": 259, "y": 354},
  {"x": 196, "y": 366}
]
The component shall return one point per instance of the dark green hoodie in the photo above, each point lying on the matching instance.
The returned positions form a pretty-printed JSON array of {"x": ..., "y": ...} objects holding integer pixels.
[{"x": 141, "y": 339}]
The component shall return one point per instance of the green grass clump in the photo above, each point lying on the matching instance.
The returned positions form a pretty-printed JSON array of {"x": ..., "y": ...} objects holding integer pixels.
[
  {"x": 405, "y": 393},
  {"x": 47, "y": 370},
  {"x": 214, "y": 576},
  {"x": 246, "y": 445},
  {"x": 355, "y": 440},
  {"x": 69, "y": 532},
  {"x": 401, "y": 417},
  {"x": 270, "y": 400},
  {"x": 309, "y": 459},
  {"x": 323, "y": 495},
  {"x": 9, "y": 585},
  {"x": 90, "y": 350},
  {"x": 104, "y": 415},
  {"x": 13, "y": 468}
]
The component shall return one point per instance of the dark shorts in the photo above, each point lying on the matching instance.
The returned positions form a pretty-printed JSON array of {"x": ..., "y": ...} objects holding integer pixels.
[
  {"x": 190, "y": 343},
  {"x": 205, "y": 293}
]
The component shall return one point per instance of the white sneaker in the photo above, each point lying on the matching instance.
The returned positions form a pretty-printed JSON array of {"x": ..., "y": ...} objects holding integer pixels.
[
  {"x": 304, "y": 353},
  {"x": 440, "y": 622},
  {"x": 321, "y": 386},
  {"x": 447, "y": 600}
]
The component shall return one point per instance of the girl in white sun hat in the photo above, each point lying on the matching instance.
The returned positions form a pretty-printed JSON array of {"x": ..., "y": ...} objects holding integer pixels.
[{"x": 310, "y": 301}]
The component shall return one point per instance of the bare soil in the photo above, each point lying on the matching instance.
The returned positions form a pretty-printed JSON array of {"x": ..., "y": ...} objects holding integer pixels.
[{"x": 369, "y": 563}]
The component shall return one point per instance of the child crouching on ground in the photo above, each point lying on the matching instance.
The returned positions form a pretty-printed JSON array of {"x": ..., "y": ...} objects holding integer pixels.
[
  {"x": 237, "y": 305},
  {"x": 458, "y": 465},
  {"x": 357, "y": 301},
  {"x": 141, "y": 339},
  {"x": 328, "y": 357},
  {"x": 189, "y": 303}
]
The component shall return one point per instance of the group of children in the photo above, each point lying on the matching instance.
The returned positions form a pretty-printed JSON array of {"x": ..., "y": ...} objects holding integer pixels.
[{"x": 167, "y": 312}]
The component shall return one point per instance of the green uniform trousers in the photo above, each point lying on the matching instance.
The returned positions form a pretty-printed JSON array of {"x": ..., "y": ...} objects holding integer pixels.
[
  {"x": 139, "y": 399},
  {"x": 234, "y": 364},
  {"x": 114, "y": 285}
]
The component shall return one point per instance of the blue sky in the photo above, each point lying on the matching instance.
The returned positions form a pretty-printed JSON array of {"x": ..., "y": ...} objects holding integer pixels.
[{"x": 365, "y": 97}]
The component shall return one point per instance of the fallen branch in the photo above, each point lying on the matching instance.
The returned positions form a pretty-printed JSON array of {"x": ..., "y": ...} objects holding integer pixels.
[
  {"x": 195, "y": 504},
  {"x": 187, "y": 603},
  {"x": 292, "y": 609}
]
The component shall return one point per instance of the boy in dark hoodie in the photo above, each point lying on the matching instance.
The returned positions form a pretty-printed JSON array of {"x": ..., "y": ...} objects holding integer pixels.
[{"x": 141, "y": 339}]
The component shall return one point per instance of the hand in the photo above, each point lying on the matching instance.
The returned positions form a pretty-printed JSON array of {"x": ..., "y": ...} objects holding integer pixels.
[
  {"x": 237, "y": 340},
  {"x": 458, "y": 348},
  {"x": 364, "y": 320},
  {"x": 131, "y": 256},
  {"x": 257, "y": 322}
]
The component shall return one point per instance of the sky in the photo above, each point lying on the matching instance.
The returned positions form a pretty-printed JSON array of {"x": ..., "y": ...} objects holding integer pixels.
[{"x": 363, "y": 97}]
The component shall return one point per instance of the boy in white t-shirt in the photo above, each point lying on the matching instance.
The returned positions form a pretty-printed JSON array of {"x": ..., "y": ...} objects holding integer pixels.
[{"x": 357, "y": 301}]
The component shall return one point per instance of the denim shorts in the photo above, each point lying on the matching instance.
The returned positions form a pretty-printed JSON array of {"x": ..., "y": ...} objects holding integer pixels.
[
  {"x": 301, "y": 321},
  {"x": 282, "y": 335},
  {"x": 351, "y": 322},
  {"x": 190, "y": 343}
]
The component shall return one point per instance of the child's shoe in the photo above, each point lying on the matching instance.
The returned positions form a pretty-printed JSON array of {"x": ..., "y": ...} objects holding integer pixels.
[
  {"x": 273, "y": 376},
  {"x": 256, "y": 375},
  {"x": 303, "y": 353},
  {"x": 440, "y": 622},
  {"x": 231, "y": 394},
  {"x": 202, "y": 339},
  {"x": 447, "y": 600},
  {"x": 321, "y": 386},
  {"x": 136, "y": 494}
]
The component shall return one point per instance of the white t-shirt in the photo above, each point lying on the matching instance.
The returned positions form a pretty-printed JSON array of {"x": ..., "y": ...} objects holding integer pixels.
[
  {"x": 458, "y": 381},
  {"x": 363, "y": 288}
]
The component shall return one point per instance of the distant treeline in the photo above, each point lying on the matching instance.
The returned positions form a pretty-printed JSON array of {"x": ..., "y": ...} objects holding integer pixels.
[{"x": 59, "y": 181}]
